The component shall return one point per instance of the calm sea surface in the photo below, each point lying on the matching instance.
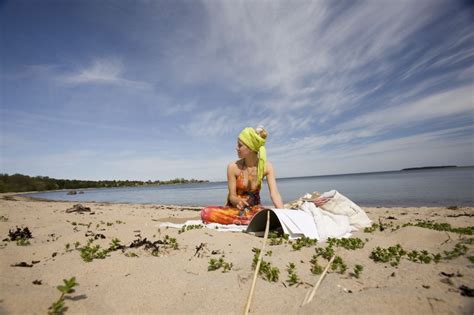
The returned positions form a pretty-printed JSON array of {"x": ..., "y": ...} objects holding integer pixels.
[{"x": 433, "y": 187}]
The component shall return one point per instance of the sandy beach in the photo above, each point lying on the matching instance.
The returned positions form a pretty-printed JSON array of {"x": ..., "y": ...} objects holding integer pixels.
[{"x": 173, "y": 277}]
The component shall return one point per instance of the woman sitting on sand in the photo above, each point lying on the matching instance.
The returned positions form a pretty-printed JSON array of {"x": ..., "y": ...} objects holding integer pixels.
[{"x": 244, "y": 180}]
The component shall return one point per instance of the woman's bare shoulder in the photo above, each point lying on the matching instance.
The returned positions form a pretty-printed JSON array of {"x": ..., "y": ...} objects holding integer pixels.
[{"x": 235, "y": 165}]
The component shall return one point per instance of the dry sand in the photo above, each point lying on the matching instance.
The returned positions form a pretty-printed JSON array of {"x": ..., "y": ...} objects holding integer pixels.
[{"x": 176, "y": 281}]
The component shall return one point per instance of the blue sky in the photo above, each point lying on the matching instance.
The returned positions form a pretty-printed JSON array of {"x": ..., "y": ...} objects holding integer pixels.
[{"x": 160, "y": 89}]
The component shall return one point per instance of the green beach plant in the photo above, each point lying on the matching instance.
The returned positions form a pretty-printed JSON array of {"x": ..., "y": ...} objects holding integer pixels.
[
  {"x": 351, "y": 243},
  {"x": 115, "y": 245},
  {"x": 316, "y": 269},
  {"x": 326, "y": 252},
  {"x": 381, "y": 227},
  {"x": 358, "y": 270},
  {"x": 371, "y": 228},
  {"x": 421, "y": 257},
  {"x": 190, "y": 227},
  {"x": 90, "y": 252},
  {"x": 469, "y": 241},
  {"x": 58, "y": 307},
  {"x": 469, "y": 230},
  {"x": 303, "y": 242},
  {"x": 277, "y": 238},
  {"x": 215, "y": 264},
  {"x": 338, "y": 265},
  {"x": 22, "y": 241},
  {"x": 391, "y": 254},
  {"x": 458, "y": 250},
  {"x": 292, "y": 276},
  {"x": 267, "y": 271},
  {"x": 171, "y": 242}
]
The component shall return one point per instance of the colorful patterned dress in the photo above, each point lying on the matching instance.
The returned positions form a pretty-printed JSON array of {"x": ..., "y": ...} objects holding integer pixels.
[{"x": 230, "y": 214}]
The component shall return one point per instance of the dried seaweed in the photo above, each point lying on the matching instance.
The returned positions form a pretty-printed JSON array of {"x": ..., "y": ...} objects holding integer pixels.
[
  {"x": 22, "y": 264},
  {"x": 19, "y": 233},
  {"x": 466, "y": 291},
  {"x": 78, "y": 208}
]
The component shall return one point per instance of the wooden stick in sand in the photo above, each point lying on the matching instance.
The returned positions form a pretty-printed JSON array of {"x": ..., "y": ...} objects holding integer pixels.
[
  {"x": 257, "y": 268},
  {"x": 309, "y": 296}
]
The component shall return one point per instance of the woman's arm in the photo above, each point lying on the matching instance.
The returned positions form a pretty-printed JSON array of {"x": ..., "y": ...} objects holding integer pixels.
[
  {"x": 272, "y": 186},
  {"x": 232, "y": 186}
]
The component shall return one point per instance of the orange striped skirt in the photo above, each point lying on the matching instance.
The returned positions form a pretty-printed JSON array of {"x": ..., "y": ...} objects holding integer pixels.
[{"x": 228, "y": 215}]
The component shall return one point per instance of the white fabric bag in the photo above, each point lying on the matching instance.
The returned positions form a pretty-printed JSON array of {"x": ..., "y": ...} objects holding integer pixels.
[
  {"x": 327, "y": 224},
  {"x": 340, "y": 204}
]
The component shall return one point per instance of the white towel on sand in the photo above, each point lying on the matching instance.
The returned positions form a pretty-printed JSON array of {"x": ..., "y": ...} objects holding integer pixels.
[{"x": 212, "y": 226}]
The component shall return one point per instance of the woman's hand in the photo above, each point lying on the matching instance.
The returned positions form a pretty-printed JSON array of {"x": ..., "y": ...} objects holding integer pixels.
[
  {"x": 320, "y": 201},
  {"x": 242, "y": 204}
]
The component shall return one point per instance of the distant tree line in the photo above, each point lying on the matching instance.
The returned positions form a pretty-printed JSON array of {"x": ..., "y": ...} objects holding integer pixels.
[{"x": 19, "y": 183}]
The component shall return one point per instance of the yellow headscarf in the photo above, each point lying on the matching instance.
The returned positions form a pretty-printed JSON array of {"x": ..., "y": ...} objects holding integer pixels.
[{"x": 257, "y": 144}]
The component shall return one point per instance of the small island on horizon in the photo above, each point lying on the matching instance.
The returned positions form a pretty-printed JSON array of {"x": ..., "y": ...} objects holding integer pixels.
[{"x": 427, "y": 167}]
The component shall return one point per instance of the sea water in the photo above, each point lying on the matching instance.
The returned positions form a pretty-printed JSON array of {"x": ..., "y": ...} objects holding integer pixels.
[{"x": 423, "y": 187}]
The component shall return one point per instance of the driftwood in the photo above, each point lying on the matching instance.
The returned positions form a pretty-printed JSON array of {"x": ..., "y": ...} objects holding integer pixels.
[
  {"x": 78, "y": 208},
  {"x": 257, "y": 268},
  {"x": 310, "y": 295}
]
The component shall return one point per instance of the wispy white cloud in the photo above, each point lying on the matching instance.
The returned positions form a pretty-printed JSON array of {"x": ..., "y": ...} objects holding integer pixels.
[
  {"x": 37, "y": 121},
  {"x": 212, "y": 123},
  {"x": 323, "y": 155},
  {"x": 371, "y": 126},
  {"x": 173, "y": 109},
  {"x": 452, "y": 102},
  {"x": 313, "y": 55},
  {"x": 103, "y": 71}
]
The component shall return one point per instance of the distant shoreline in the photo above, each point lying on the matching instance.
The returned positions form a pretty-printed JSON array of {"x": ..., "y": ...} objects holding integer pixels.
[{"x": 427, "y": 167}]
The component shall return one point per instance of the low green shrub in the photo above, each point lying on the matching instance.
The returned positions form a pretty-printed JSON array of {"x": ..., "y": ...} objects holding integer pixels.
[
  {"x": 292, "y": 276},
  {"x": 303, "y": 242},
  {"x": 267, "y": 271},
  {"x": 443, "y": 227},
  {"x": 58, "y": 307},
  {"x": 215, "y": 264},
  {"x": 358, "y": 270}
]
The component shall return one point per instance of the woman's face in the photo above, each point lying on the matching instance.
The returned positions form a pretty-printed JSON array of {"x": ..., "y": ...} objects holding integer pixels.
[{"x": 242, "y": 149}]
